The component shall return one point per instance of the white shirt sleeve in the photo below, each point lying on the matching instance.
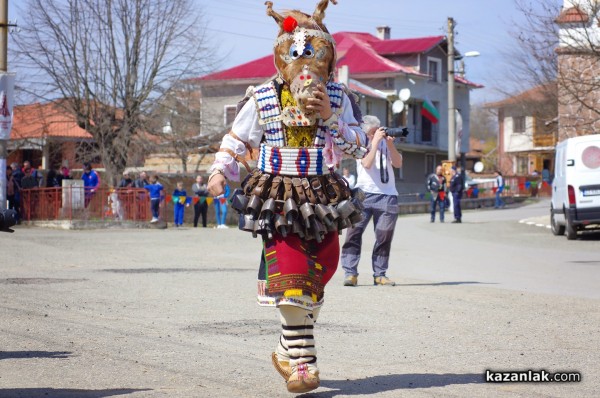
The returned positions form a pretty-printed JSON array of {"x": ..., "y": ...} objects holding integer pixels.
[
  {"x": 348, "y": 125},
  {"x": 246, "y": 127}
]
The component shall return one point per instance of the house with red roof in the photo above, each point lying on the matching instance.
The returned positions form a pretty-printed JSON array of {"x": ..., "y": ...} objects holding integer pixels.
[
  {"x": 527, "y": 130},
  {"x": 48, "y": 136},
  {"x": 376, "y": 68}
]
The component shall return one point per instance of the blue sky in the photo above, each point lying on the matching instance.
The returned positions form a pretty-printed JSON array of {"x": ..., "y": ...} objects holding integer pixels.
[
  {"x": 244, "y": 32},
  {"x": 241, "y": 31}
]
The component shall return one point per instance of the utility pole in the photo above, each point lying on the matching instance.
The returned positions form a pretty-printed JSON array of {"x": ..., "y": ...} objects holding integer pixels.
[
  {"x": 451, "y": 98},
  {"x": 3, "y": 69}
]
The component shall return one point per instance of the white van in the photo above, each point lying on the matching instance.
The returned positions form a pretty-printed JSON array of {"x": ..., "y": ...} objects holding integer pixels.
[{"x": 576, "y": 186}]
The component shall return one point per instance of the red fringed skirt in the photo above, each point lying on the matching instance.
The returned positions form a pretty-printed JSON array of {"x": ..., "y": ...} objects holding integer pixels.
[{"x": 296, "y": 271}]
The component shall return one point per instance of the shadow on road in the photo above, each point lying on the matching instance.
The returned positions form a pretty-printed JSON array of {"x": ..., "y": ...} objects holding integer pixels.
[
  {"x": 447, "y": 283},
  {"x": 33, "y": 354},
  {"x": 378, "y": 384},
  {"x": 64, "y": 392}
]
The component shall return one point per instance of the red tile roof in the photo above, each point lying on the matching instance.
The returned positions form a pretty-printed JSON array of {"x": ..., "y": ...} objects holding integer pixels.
[
  {"x": 572, "y": 15},
  {"x": 259, "y": 68},
  {"x": 540, "y": 93},
  {"x": 462, "y": 80},
  {"x": 362, "y": 52},
  {"x": 45, "y": 120},
  {"x": 407, "y": 46}
]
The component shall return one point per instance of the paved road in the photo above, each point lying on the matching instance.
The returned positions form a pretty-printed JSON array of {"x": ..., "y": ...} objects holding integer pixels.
[
  {"x": 170, "y": 313},
  {"x": 499, "y": 248}
]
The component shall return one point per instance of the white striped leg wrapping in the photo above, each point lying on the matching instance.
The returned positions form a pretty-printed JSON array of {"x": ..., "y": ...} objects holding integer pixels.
[
  {"x": 297, "y": 336},
  {"x": 282, "y": 350}
]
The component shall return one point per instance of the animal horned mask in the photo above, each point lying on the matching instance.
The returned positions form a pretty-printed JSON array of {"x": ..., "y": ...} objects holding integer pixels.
[{"x": 304, "y": 50}]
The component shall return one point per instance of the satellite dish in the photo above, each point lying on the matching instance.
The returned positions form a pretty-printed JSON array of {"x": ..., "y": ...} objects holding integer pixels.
[
  {"x": 397, "y": 106},
  {"x": 404, "y": 94},
  {"x": 478, "y": 167}
]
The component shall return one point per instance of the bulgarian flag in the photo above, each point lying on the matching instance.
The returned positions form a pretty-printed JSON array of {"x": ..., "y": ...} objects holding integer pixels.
[{"x": 429, "y": 111}]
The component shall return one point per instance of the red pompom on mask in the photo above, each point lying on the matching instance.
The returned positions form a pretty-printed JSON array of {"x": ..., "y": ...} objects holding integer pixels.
[{"x": 289, "y": 24}]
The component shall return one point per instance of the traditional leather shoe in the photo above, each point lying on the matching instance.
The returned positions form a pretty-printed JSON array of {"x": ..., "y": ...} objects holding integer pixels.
[
  {"x": 301, "y": 380},
  {"x": 283, "y": 367},
  {"x": 351, "y": 280},
  {"x": 383, "y": 281}
]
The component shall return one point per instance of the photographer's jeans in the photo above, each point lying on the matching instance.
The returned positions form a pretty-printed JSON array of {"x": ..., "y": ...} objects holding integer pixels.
[
  {"x": 434, "y": 203},
  {"x": 384, "y": 211}
]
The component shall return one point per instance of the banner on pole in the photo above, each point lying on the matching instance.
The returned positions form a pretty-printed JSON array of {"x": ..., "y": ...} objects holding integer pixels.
[
  {"x": 459, "y": 132},
  {"x": 7, "y": 84}
]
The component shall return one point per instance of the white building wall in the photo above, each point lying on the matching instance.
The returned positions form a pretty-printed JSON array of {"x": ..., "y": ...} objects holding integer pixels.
[
  {"x": 517, "y": 142},
  {"x": 578, "y": 35}
]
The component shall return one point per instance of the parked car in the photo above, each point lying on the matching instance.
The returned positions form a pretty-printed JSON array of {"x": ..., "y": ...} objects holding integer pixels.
[{"x": 575, "y": 204}]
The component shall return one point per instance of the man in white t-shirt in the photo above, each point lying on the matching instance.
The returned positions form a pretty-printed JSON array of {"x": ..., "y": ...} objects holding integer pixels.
[{"x": 375, "y": 176}]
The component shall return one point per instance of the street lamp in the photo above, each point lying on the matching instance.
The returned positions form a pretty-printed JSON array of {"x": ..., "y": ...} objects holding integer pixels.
[{"x": 461, "y": 58}]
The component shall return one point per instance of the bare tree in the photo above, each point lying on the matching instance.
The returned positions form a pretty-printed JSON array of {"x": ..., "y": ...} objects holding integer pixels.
[
  {"x": 560, "y": 47},
  {"x": 176, "y": 121},
  {"x": 111, "y": 59},
  {"x": 483, "y": 123}
]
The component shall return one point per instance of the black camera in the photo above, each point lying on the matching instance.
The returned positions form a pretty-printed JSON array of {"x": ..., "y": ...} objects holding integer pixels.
[
  {"x": 396, "y": 132},
  {"x": 8, "y": 218}
]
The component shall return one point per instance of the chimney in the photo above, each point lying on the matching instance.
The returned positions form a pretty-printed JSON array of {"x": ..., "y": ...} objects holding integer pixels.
[{"x": 383, "y": 32}]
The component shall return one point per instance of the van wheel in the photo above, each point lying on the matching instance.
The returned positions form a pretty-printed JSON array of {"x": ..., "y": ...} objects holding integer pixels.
[
  {"x": 571, "y": 230},
  {"x": 557, "y": 230}
]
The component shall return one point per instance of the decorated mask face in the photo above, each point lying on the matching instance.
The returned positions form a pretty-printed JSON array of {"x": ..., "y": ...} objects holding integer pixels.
[{"x": 304, "y": 51}]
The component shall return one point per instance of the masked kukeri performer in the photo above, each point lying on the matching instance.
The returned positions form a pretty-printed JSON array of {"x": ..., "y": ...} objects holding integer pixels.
[{"x": 303, "y": 123}]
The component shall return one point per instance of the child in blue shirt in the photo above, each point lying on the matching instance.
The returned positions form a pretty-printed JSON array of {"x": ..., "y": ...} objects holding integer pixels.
[
  {"x": 155, "y": 189},
  {"x": 178, "y": 193},
  {"x": 221, "y": 208}
]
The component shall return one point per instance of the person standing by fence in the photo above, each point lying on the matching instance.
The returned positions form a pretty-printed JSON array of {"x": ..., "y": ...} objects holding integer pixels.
[
  {"x": 12, "y": 191},
  {"x": 221, "y": 208},
  {"x": 499, "y": 188},
  {"x": 180, "y": 202},
  {"x": 155, "y": 189},
  {"x": 91, "y": 182},
  {"x": 201, "y": 206}
]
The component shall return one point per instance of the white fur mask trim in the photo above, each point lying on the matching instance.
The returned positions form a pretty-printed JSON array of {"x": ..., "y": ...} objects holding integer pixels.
[{"x": 300, "y": 35}]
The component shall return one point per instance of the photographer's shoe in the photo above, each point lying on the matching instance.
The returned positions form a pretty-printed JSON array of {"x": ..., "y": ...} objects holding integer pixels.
[
  {"x": 302, "y": 380},
  {"x": 383, "y": 281},
  {"x": 351, "y": 280}
]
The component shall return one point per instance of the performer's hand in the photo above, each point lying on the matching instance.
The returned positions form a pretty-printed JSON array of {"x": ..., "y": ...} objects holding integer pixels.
[
  {"x": 320, "y": 102},
  {"x": 216, "y": 185}
]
